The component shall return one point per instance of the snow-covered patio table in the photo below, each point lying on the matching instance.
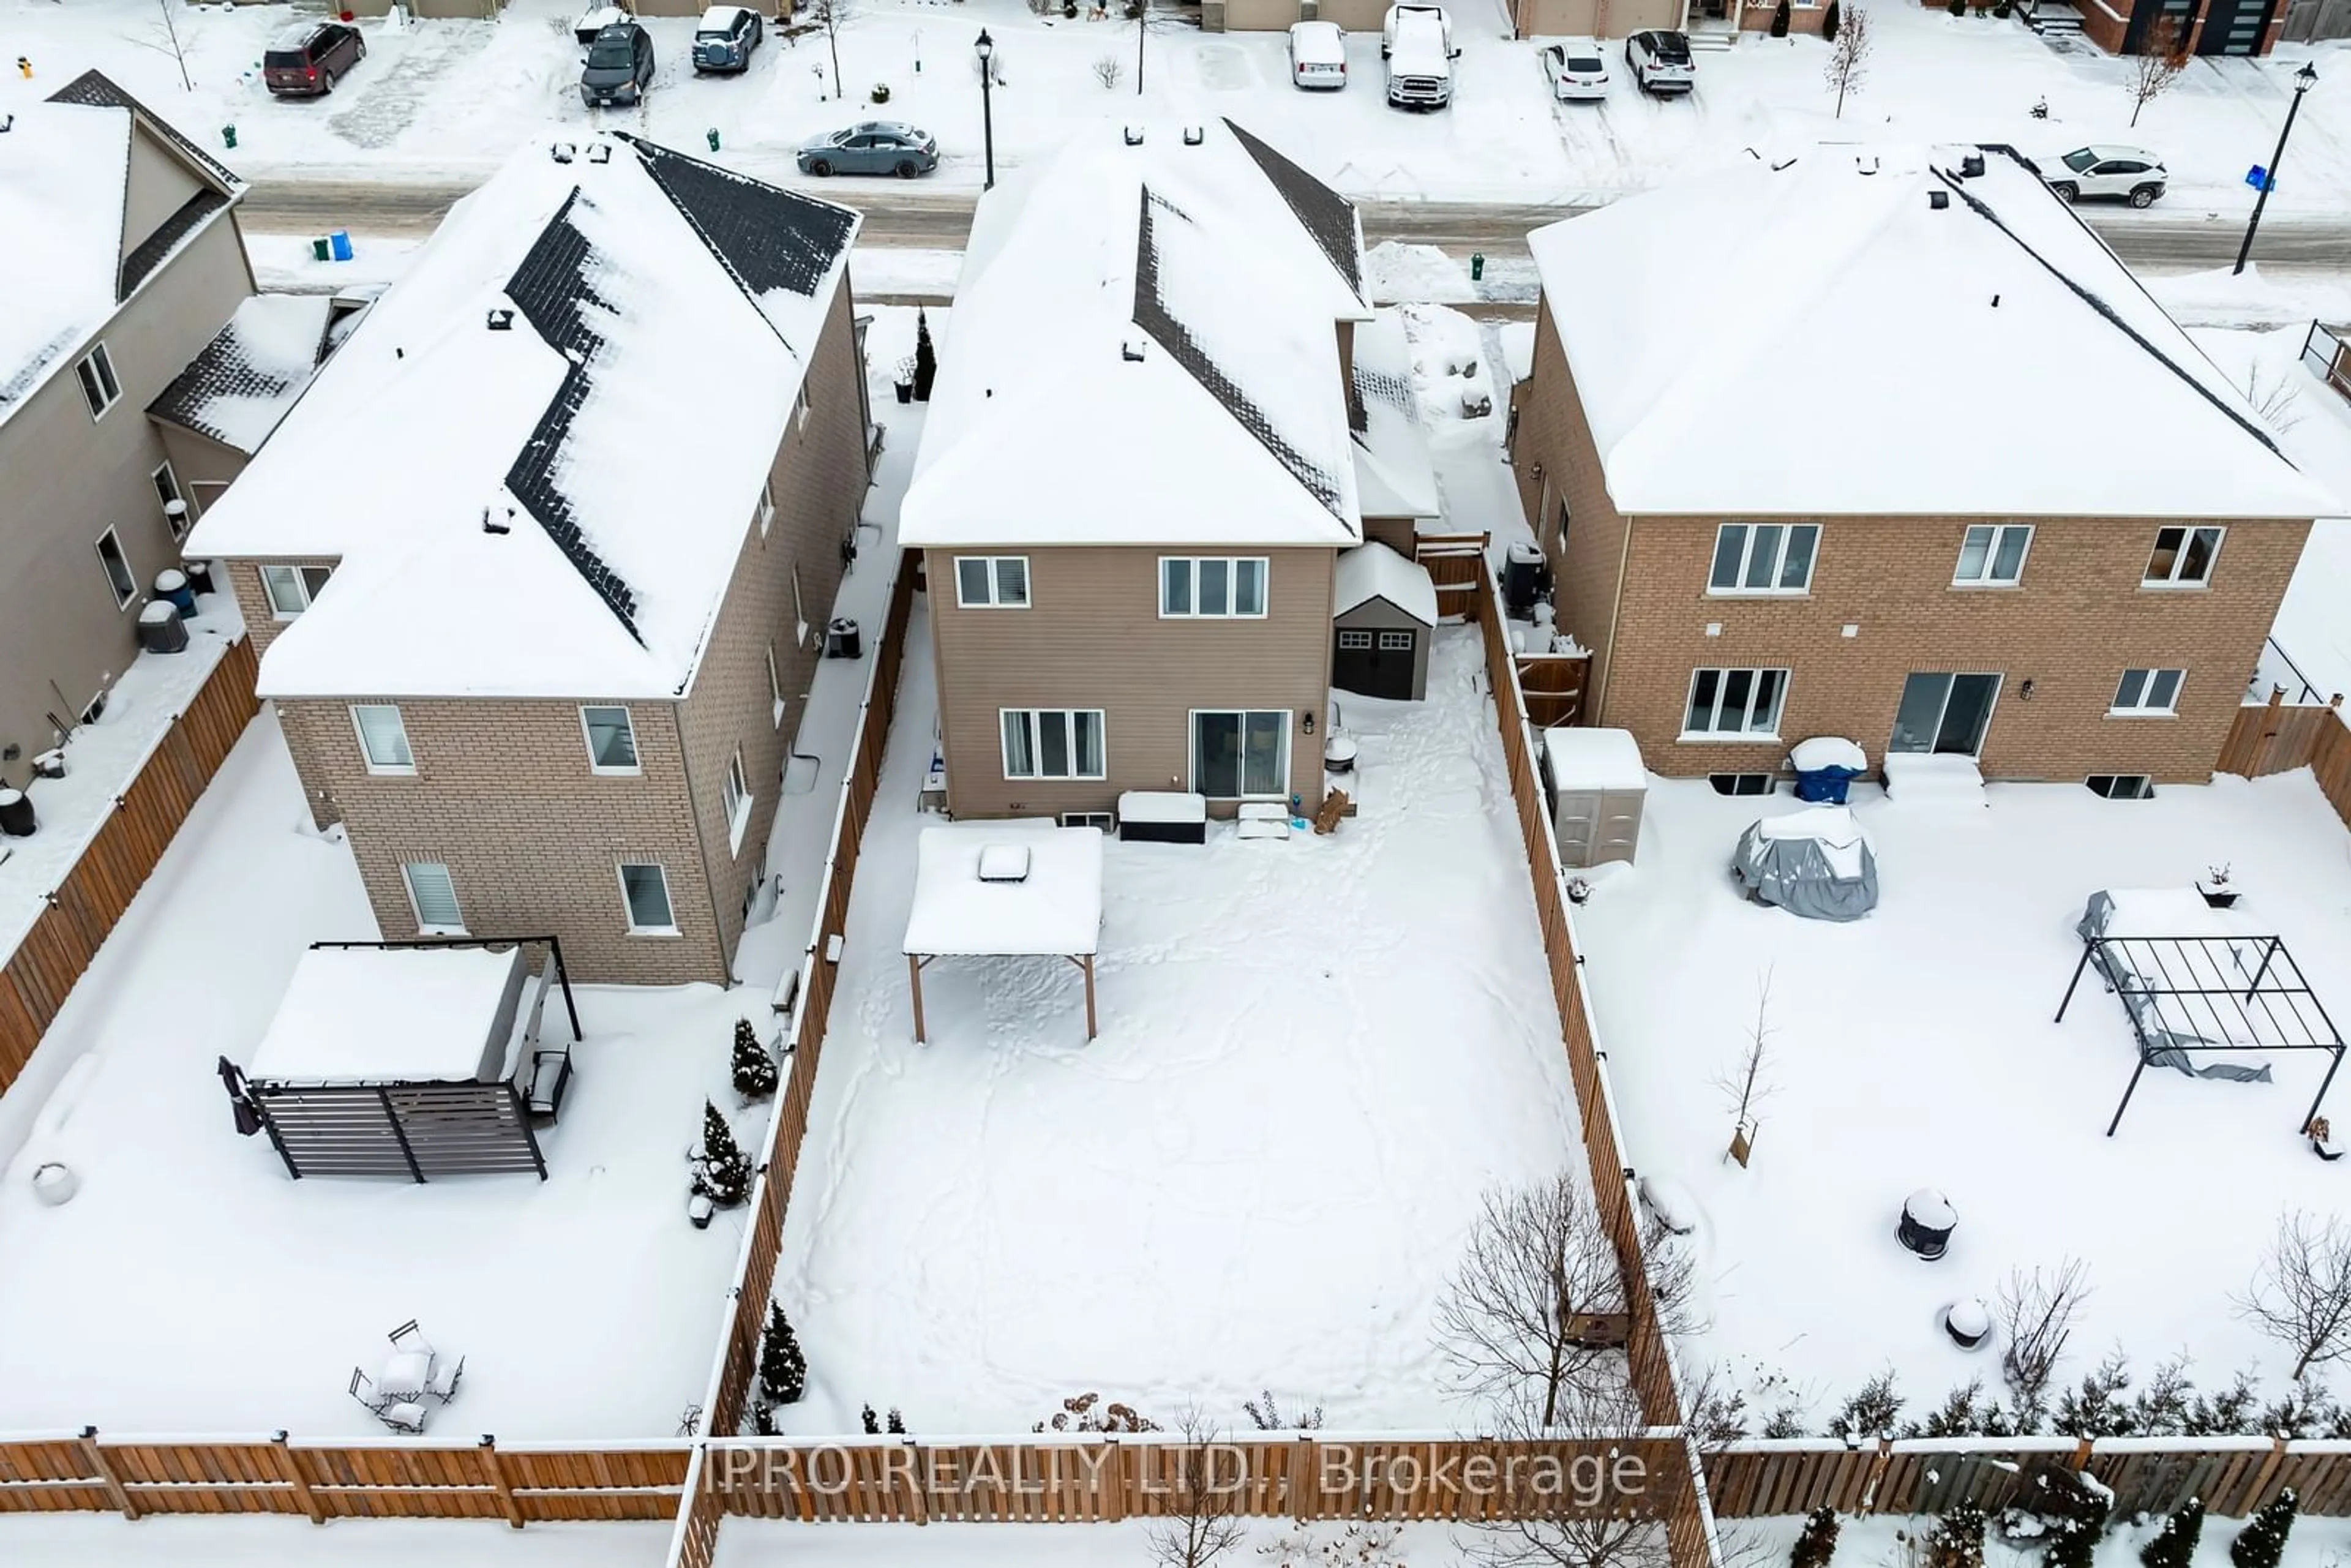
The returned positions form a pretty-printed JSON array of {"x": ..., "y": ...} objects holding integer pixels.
[{"x": 1004, "y": 890}]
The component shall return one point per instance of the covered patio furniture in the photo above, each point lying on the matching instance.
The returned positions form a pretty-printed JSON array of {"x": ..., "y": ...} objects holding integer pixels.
[
  {"x": 1001, "y": 890},
  {"x": 1816, "y": 862}
]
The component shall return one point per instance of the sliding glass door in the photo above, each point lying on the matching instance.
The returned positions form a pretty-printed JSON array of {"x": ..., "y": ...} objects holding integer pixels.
[{"x": 1241, "y": 755}]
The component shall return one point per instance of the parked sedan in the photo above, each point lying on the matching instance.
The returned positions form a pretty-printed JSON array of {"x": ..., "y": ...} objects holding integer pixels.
[
  {"x": 1660, "y": 62},
  {"x": 1575, "y": 69},
  {"x": 620, "y": 66},
  {"x": 306, "y": 61},
  {"x": 2129, "y": 174},
  {"x": 876, "y": 147},
  {"x": 1318, "y": 56},
  {"x": 725, "y": 37}
]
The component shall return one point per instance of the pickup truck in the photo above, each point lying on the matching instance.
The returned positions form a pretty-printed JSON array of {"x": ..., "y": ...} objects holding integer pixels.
[{"x": 1417, "y": 41}]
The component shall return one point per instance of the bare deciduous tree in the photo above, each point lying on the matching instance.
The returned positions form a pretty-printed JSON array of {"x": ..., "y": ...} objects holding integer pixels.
[
  {"x": 1538, "y": 1263},
  {"x": 1746, "y": 1081},
  {"x": 2158, "y": 64},
  {"x": 2276, "y": 400},
  {"x": 2036, "y": 1316},
  {"x": 1576, "y": 1521},
  {"x": 1265, "y": 1413},
  {"x": 1849, "y": 65},
  {"x": 830, "y": 14},
  {"x": 1109, "y": 70},
  {"x": 1199, "y": 1524},
  {"x": 2301, "y": 1294}
]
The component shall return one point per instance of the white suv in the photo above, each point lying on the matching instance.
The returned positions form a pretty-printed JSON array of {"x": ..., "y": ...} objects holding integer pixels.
[
  {"x": 2132, "y": 174},
  {"x": 1661, "y": 63},
  {"x": 1576, "y": 70}
]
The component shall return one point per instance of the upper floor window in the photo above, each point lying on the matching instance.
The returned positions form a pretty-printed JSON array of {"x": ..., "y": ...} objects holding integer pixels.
[
  {"x": 1736, "y": 704},
  {"x": 1212, "y": 586},
  {"x": 2182, "y": 558},
  {"x": 644, "y": 895},
  {"x": 292, "y": 587},
  {"x": 736, "y": 797},
  {"x": 767, "y": 505},
  {"x": 383, "y": 739},
  {"x": 99, "y": 388},
  {"x": 1050, "y": 743},
  {"x": 992, "y": 581},
  {"x": 775, "y": 689},
  {"x": 433, "y": 893},
  {"x": 612, "y": 739},
  {"x": 174, "y": 505},
  {"x": 117, "y": 569},
  {"x": 2146, "y": 692},
  {"x": 1993, "y": 555},
  {"x": 1764, "y": 557}
]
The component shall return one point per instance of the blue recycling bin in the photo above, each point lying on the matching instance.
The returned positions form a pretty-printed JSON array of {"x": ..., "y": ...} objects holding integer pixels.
[
  {"x": 1825, "y": 786},
  {"x": 339, "y": 244}
]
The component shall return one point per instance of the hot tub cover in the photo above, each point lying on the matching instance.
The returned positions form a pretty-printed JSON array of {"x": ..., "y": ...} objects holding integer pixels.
[{"x": 1817, "y": 864}]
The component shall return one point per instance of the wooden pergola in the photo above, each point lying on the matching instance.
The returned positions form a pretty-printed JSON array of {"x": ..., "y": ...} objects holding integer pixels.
[{"x": 989, "y": 890}]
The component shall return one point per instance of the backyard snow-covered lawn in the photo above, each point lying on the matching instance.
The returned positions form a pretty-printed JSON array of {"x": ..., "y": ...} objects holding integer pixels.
[
  {"x": 1315, "y": 1056},
  {"x": 193, "y": 1287},
  {"x": 1915, "y": 1048}
]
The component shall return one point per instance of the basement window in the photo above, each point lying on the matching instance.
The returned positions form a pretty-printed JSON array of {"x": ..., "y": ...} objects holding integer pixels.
[
  {"x": 1740, "y": 783},
  {"x": 2122, "y": 786}
]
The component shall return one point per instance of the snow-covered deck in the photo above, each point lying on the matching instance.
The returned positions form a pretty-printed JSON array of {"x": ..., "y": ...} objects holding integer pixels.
[
  {"x": 1915, "y": 1048},
  {"x": 1314, "y": 1057}
]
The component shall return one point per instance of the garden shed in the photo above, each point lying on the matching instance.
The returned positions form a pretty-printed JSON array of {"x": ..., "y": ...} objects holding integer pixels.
[
  {"x": 1384, "y": 609},
  {"x": 995, "y": 890}
]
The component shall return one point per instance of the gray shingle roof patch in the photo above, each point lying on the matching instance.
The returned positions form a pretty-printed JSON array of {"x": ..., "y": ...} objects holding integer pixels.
[
  {"x": 1381, "y": 387},
  {"x": 553, "y": 289},
  {"x": 98, "y": 90},
  {"x": 1183, "y": 345},
  {"x": 1325, "y": 215},
  {"x": 236, "y": 389},
  {"x": 769, "y": 238},
  {"x": 151, "y": 251}
]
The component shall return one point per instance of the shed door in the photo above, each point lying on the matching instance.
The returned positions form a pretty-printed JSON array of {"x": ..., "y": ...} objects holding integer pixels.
[
  {"x": 1616, "y": 832},
  {"x": 1377, "y": 663}
]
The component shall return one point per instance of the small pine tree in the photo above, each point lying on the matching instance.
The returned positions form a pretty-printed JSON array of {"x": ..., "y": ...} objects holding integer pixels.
[
  {"x": 1831, "y": 19},
  {"x": 927, "y": 359},
  {"x": 2175, "y": 1543},
  {"x": 754, "y": 1070},
  {"x": 1817, "y": 1543},
  {"x": 724, "y": 1173},
  {"x": 872, "y": 1423},
  {"x": 1780, "y": 19},
  {"x": 1957, "y": 1539},
  {"x": 2073, "y": 1544},
  {"x": 2261, "y": 1544},
  {"x": 1958, "y": 7},
  {"x": 783, "y": 1370},
  {"x": 896, "y": 1423},
  {"x": 763, "y": 1418}
]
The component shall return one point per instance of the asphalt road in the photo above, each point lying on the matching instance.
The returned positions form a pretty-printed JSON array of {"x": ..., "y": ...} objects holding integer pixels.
[{"x": 915, "y": 218}]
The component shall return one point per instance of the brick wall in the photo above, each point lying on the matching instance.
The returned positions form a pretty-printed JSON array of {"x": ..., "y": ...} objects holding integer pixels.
[
  {"x": 1556, "y": 465},
  {"x": 262, "y": 621}
]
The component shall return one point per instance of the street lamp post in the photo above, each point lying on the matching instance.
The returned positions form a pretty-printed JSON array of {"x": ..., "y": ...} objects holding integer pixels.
[
  {"x": 2303, "y": 81},
  {"x": 986, "y": 48}
]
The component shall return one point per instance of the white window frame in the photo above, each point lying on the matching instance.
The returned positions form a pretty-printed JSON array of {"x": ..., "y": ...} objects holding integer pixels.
[
  {"x": 127, "y": 589},
  {"x": 735, "y": 798},
  {"x": 1722, "y": 673},
  {"x": 1396, "y": 642},
  {"x": 629, "y": 722},
  {"x": 2141, "y": 786},
  {"x": 802, "y": 407},
  {"x": 1033, "y": 721},
  {"x": 384, "y": 769},
  {"x": 166, "y": 480},
  {"x": 994, "y": 566},
  {"x": 2139, "y": 705},
  {"x": 621, "y": 871},
  {"x": 2186, "y": 532},
  {"x": 767, "y": 505},
  {"x": 1987, "y": 577},
  {"x": 1783, "y": 535},
  {"x": 1352, "y": 640},
  {"x": 408, "y": 880},
  {"x": 775, "y": 689},
  {"x": 101, "y": 388},
  {"x": 1190, "y": 565},
  {"x": 800, "y": 609},
  {"x": 297, "y": 577}
]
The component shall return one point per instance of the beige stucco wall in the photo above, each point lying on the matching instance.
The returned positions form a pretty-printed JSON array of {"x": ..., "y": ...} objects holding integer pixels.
[
  {"x": 205, "y": 467},
  {"x": 70, "y": 477},
  {"x": 1594, "y": 19},
  {"x": 1093, "y": 639},
  {"x": 160, "y": 184}
]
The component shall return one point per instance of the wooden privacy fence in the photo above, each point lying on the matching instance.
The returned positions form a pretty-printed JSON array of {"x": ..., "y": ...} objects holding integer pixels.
[
  {"x": 1456, "y": 567},
  {"x": 1311, "y": 1476},
  {"x": 748, "y": 1302},
  {"x": 2233, "y": 1476},
  {"x": 522, "y": 1485},
  {"x": 2272, "y": 737},
  {"x": 83, "y": 909}
]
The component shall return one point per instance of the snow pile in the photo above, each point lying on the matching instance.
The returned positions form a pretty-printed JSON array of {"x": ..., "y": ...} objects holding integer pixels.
[
  {"x": 998, "y": 889},
  {"x": 1922, "y": 778},
  {"x": 376, "y": 1015},
  {"x": 1827, "y": 751},
  {"x": 1374, "y": 571}
]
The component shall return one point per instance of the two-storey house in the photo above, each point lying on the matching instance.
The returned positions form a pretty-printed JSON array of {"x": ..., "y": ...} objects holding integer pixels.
[
  {"x": 1948, "y": 480},
  {"x": 540, "y": 564},
  {"x": 120, "y": 258},
  {"x": 1140, "y": 464}
]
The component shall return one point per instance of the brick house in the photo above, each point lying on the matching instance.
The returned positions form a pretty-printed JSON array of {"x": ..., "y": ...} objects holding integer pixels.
[
  {"x": 1954, "y": 484},
  {"x": 120, "y": 259},
  {"x": 538, "y": 567},
  {"x": 1151, "y": 438}
]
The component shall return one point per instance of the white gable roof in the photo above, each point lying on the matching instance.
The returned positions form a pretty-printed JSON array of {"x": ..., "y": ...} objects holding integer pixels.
[
  {"x": 618, "y": 431},
  {"x": 1989, "y": 357},
  {"x": 62, "y": 168},
  {"x": 1145, "y": 351},
  {"x": 1374, "y": 571}
]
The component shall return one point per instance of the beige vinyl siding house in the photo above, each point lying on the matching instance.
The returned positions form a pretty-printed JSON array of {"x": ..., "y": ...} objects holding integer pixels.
[
  {"x": 1138, "y": 597},
  {"x": 140, "y": 265},
  {"x": 1916, "y": 570},
  {"x": 565, "y": 704}
]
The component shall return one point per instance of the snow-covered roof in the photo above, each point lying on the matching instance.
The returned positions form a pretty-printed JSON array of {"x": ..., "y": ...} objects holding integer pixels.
[
  {"x": 1394, "y": 475},
  {"x": 1055, "y": 908},
  {"x": 1145, "y": 351},
  {"x": 373, "y": 1015},
  {"x": 255, "y": 368},
  {"x": 1584, "y": 759},
  {"x": 1374, "y": 571},
  {"x": 598, "y": 351},
  {"x": 1908, "y": 359}
]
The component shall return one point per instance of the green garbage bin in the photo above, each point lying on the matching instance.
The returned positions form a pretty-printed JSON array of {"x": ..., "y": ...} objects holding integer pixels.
[
  {"x": 319, "y": 248},
  {"x": 228, "y": 137},
  {"x": 713, "y": 134},
  {"x": 1476, "y": 266}
]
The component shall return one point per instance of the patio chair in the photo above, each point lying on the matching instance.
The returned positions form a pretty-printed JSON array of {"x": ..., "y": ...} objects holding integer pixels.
[
  {"x": 447, "y": 1375},
  {"x": 408, "y": 1337},
  {"x": 549, "y": 1076},
  {"x": 405, "y": 1416},
  {"x": 364, "y": 1390}
]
